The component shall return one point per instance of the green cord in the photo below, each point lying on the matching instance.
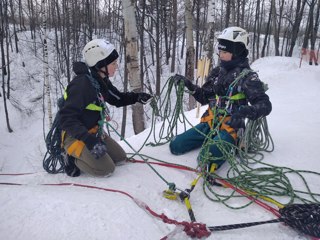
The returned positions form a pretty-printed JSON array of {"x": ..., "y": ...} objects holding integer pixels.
[{"x": 268, "y": 180}]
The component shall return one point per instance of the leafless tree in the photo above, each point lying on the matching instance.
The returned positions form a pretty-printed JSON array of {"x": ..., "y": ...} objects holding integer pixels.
[
  {"x": 131, "y": 45},
  {"x": 190, "y": 55},
  {"x": 5, "y": 63}
]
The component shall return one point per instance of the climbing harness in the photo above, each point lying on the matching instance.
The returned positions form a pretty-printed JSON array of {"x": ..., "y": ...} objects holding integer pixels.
[{"x": 54, "y": 158}]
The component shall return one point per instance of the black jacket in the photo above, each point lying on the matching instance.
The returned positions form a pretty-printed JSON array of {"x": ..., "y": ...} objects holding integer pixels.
[
  {"x": 218, "y": 83},
  {"x": 76, "y": 120}
]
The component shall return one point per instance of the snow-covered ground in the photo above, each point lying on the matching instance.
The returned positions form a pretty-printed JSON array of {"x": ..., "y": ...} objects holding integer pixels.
[{"x": 34, "y": 211}]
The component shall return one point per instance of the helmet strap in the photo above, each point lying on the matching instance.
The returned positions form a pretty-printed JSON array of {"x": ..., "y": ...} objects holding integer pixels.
[{"x": 103, "y": 70}]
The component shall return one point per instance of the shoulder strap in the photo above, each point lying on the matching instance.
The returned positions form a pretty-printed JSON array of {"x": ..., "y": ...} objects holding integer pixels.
[
  {"x": 241, "y": 75},
  {"x": 94, "y": 83}
]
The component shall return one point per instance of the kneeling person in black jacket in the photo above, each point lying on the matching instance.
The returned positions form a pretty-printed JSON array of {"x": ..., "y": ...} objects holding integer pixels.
[
  {"x": 88, "y": 147},
  {"x": 233, "y": 91}
]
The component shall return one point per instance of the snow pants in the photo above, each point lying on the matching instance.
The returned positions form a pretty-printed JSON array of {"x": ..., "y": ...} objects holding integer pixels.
[
  {"x": 194, "y": 138},
  {"x": 103, "y": 166}
]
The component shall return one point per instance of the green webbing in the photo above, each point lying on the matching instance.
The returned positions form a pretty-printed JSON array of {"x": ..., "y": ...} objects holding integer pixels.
[
  {"x": 238, "y": 96},
  {"x": 94, "y": 107}
]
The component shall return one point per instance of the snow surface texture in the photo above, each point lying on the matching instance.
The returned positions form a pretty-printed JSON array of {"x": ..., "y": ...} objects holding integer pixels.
[{"x": 36, "y": 212}]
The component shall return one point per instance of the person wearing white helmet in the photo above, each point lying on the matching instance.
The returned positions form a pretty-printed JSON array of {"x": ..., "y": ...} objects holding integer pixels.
[
  {"x": 233, "y": 92},
  {"x": 89, "y": 149}
]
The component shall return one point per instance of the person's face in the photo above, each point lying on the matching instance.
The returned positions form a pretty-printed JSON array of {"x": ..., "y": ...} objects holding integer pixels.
[
  {"x": 112, "y": 68},
  {"x": 225, "y": 56}
]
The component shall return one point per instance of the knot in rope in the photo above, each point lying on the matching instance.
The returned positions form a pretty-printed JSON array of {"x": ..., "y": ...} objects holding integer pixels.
[
  {"x": 196, "y": 230},
  {"x": 192, "y": 229}
]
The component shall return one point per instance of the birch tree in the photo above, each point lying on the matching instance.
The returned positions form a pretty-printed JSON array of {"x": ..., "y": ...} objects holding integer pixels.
[
  {"x": 209, "y": 43},
  {"x": 45, "y": 59},
  {"x": 132, "y": 66}
]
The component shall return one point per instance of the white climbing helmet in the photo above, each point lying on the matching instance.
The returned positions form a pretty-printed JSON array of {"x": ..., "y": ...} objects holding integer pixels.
[
  {"x": 97, "y": 50},
  {"x": 236, "y": 35}
]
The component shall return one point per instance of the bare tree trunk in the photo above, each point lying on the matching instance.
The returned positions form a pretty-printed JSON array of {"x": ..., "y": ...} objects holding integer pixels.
[
  {"x": 4, "y": 35},
  {"x": 313, "y": 36},
  {"x": 165, "y": 26},
  {"x": 256, "y": 33},
  {"x": 288, "y": 30},
  {"x": 125, "y": 89},
  {"x": 5, "y": 104},
  {"x": 209, "y": 43},
  {"x": 228, "y": 12},
  {"x": 197, "y": 51},
  {"x": 131, "y": 44},
  {"x": 296, "y": 25},
  {"x": 263, "y": 54},
  {"x": 46, "y": 59},
  {"x": 12, "y": 10},
  {"x": 158, "y": 57},
  {"x": 243, "y": 4},
  {"x": 274, "y": 27},
  {"x": 174, "y": 34},
  {"x": 190, "y": 48},
  {"x": 233, "y": 11},
  {"x": 141, "y": 35}
]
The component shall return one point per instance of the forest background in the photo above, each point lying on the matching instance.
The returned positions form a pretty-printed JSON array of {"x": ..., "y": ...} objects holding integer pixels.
[{"x": 155, "y": 39}]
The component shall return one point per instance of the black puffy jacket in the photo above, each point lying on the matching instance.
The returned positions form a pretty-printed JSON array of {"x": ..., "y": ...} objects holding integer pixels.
[
  {"x": 218, "y": 83},
  {"x": 76, "y": 120}
]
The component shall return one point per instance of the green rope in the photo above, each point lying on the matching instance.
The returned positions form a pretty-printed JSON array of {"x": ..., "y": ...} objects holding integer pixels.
[
  {"x": 268, "y": 180},
  {"x": 168, "y": 115},
  {"x": 171, "y": 185},
  {"x": 254, "y": 140}
]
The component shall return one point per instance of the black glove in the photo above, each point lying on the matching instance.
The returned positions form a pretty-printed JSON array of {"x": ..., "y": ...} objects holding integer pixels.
[
  {"x": 99, "y": 150},
  {"x": 95, "y": 145},
  {"x": 237, "y": 121},
  {"x": 178, "y": 78},
  {"x": 144, "y": 98},
  {"x": 237, "y": 118}
]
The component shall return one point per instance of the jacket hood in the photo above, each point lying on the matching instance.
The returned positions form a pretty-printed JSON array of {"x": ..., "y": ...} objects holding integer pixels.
[{"x": 80, "y": 68}]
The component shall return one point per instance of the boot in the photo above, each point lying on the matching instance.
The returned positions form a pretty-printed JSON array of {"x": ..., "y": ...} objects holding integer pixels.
[{"x": 70, "y": 167}]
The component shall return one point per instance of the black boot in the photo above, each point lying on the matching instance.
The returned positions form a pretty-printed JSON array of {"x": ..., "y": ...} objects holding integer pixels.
[{"x": 70, "y": 168}]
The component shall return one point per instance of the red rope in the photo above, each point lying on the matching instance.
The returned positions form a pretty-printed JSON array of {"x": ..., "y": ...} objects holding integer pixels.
[
  {"x": 192, "y": 229},
  {"x": 257, "y": 201},
  {"x": 15, "y": 174},
  {"x": 164, "y": 165},
  {"x": 224, "y": 182}
]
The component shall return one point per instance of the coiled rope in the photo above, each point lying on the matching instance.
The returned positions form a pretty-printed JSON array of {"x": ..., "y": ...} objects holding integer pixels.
[
  {"x": 268, "y": 180},
  {"x": 53, "y": 161}
]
